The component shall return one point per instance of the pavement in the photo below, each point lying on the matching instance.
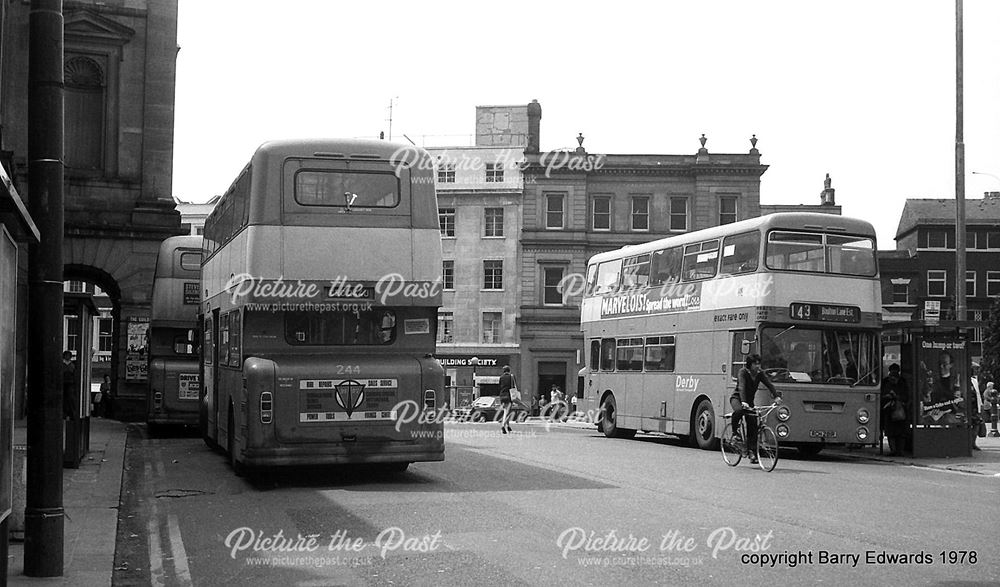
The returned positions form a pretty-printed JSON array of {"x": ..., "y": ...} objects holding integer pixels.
[{"x": 90, "y": 498}]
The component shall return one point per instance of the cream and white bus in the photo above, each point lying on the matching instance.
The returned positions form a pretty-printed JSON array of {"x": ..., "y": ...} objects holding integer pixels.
[
  {"x": 321, "y": 284},
  {"x": 668, "y": 323}
]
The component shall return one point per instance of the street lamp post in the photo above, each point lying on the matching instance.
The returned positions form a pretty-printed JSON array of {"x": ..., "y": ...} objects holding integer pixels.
[{"x": 474, "y": 361}]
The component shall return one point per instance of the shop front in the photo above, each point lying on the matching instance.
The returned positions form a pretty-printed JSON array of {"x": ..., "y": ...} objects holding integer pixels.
[
  {"x": 470, "y": 376},
  {"x": 935, "y": 362}
]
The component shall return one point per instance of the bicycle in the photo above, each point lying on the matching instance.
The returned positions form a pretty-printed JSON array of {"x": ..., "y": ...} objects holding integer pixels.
[{"x": 734, "y": 448}]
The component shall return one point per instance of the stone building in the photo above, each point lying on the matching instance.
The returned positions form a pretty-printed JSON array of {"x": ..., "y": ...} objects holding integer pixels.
[
  {"x": 479, "y": 192},
  {"x": 577, "y": 204},
  {"x": 119, "y": 69}
]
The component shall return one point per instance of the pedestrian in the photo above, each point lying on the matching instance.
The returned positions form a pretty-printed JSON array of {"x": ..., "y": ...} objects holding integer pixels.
[
  {"x": 895, "y": 399},
  {"x": 100, "y": 397},
  {"x": 506, "y": 383},
  {"x": 975, "y": 408},
  {"x": 990, "y": 402}
]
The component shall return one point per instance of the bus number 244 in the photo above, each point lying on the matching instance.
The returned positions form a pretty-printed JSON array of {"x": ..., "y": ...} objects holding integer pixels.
[{"x": 348, "y": 369}]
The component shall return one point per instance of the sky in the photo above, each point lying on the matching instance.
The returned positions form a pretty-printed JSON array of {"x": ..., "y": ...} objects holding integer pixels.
[{"x": 863, "y": 90}]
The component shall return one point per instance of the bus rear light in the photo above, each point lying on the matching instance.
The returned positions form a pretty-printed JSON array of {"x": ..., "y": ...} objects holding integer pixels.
[
  {"x": 430, "y": 399},
  {"x": 782, "y": 431},
  {"x": 863, "y": 416},
  {"x": 784, "y": 414},
  {"x": 266, "y": 407},
  {"x": 862, "y": 433},
  {"x": 158, "y": 399}
]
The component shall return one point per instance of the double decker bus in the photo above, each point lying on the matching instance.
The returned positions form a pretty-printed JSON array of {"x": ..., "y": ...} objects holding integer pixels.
[
  {"x": 174, "y": 381},
  {"x": 321, "y": 284},
  {"x": 668, "y": 325}
]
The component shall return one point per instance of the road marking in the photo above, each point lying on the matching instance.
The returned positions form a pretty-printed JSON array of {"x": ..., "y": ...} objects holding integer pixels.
[
  {"x": 155, "y": 551},
  {"x": 181, "y": 568}
]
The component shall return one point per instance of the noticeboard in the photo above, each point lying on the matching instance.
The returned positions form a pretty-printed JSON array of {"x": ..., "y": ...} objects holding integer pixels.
[
  {"x": 136, "y": 353},
  {"x": 941, "y": 384}
]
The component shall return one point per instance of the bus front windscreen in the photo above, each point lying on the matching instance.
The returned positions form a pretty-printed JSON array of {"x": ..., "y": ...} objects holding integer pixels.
[{"x": 804, "y": 355}]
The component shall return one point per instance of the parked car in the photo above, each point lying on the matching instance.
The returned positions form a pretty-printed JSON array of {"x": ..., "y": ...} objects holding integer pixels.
[{"x": 487, "y": 408}]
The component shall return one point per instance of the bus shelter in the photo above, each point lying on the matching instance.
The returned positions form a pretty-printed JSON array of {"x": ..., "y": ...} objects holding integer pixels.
[
  {"x": 16, "y": 228},
  {"x": 79, "y": 311},
  {"x": 935, "y": 362}
]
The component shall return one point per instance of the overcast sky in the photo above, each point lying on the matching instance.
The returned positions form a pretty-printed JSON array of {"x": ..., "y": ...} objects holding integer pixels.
[{"x": 861, "y": 89}]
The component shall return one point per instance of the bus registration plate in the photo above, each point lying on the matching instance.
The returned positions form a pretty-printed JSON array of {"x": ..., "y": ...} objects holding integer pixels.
[{"x": 823, "y": 433}]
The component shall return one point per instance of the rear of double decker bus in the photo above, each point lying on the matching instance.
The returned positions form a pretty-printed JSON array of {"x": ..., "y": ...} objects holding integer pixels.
[
  {"x": 331, "y": 309},
  {"x": 174, "y": 381},
  {"x": 818, "y": 320}
]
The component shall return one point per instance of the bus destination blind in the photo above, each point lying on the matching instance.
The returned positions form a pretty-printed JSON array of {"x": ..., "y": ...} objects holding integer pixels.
[{"x": 825, "y": 312}]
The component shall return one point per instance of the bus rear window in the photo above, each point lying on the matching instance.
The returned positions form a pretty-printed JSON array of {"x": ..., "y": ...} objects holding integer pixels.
[
  {"x": 371, "y": 327},
  {"x": 342, "y": 189}
]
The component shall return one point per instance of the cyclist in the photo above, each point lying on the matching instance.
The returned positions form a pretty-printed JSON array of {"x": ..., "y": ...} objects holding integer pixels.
[{"x": 749, "y": 378}]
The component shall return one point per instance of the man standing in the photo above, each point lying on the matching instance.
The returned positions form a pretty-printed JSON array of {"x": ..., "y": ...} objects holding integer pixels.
[
  {"x": 506, "y": 383},
  {"x": 895, "y": 397}
]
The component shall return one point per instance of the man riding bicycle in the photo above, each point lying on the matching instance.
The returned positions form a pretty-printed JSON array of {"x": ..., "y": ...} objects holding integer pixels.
[{"x": 749, "y": 378}]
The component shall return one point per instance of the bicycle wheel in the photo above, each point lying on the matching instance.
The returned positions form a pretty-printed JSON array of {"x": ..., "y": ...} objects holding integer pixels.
[
  {"x": 767, "y": 448},
  {"x": 732, "y": 449}
]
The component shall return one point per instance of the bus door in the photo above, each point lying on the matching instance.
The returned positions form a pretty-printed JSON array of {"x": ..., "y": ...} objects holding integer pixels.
[{"x": 737, "y": 360}]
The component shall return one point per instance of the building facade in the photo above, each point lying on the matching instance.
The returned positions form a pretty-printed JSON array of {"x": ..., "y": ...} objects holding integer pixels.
[
  {"x": 119, "y": 73},
  {"x": 577, "y": 204},
  {"x": 922, "y": 267},
  {"x": 479, "y": 190}
]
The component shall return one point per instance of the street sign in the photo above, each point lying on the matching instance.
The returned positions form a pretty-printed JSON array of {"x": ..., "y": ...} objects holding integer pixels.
[{"x": 932, "y": 312}]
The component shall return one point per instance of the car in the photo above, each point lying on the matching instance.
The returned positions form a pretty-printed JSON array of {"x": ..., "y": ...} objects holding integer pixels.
[{"x": 487, "y": 408}]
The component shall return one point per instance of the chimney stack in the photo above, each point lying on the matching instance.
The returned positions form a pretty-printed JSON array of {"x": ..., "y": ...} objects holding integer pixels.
[{"x": 534, "y": 124}]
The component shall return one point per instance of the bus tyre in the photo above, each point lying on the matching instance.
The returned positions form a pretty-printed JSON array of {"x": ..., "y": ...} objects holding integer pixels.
[
  {"x": 238, "y": 468},
  {"x": 609, "y": 420},
  {"x": 703, "y": 426},
  {"x": 153, "y": 430}
]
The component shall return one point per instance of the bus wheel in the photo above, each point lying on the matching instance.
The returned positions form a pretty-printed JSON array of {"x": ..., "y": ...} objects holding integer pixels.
[
  {"x": 395, "y": 467},
  {"x": 238, "y": 468},
  {"x": 703, "y": 426},
  {"x": 609, "y": 420},
  {"x": 153, "y": 430}
]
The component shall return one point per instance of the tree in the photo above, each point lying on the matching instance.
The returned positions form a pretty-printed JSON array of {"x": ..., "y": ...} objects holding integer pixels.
[{"x": 989, "y": 368}]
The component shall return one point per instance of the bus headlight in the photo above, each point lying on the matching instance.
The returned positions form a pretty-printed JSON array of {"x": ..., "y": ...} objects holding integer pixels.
[
  {"x": 430, "y": 399},
  {"x": 782, "y": 431},
  {"x": 784, "y": 413},
  {"x": 862, "y": 433},
  {"x": 863, "y": 416},
  {"x": 266, "y": 407}
]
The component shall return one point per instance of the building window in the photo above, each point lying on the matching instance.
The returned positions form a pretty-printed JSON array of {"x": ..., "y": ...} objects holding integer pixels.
[
  {"x": 937, "y": 239},
  {"x": 993, "y": 283},
  {"x": 901, "y": 293},
  {"x": 602, "y": 213},
  {"x": 937, "y": 283},
  {"x": 494, "y": 222},
  {"x": 448, "y": 274},
  {"x": 551, "y": 291},
  {"x": 104, "y": 338},
  {"x": 970, "y": 284},
  {"x": 978, "y": 333},
  {"x": 75, "y": 287},
  {"x": 727, "y": 210},
  {"x": 494, "y": 173},
  {"x": 492, "y": 274},
  {"x": 492, "y": 327},
  {"x": 84, "y": 114},
  {"x": 446, "y": 220},
  {"x": 678, "y": 214},
  {"x": 446, "y": 327},
  {"x": 553, "y": 211},
  {"x": 446, "y": 173},
  {"x": 993, "y": 240},
  {"x": 640, "y": 212}
]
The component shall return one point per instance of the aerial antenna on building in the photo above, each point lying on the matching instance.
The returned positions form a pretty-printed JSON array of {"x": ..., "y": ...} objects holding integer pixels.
[{"x": 392, "y": 101}]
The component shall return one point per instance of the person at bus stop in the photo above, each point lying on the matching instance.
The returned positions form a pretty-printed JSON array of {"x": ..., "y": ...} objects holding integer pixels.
[
  {"x": 506, "y": 382},
  {"x": 750, "y": 377},
  {"x": 895, "y": 398}
]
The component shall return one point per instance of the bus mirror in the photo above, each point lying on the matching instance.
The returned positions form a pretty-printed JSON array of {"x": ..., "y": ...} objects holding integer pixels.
[{"x": 745, "y": 347}]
